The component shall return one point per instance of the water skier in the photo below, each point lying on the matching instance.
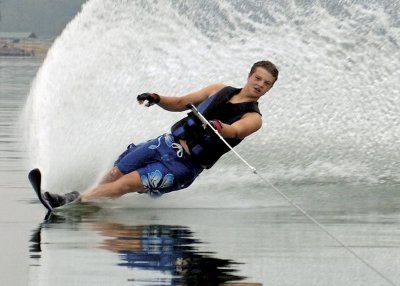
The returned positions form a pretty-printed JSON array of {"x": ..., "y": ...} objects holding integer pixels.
[{"x": 173, "y": 161}]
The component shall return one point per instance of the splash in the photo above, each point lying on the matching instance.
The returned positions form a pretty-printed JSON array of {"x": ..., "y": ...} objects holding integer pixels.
[{"x": 332, "y": 116}]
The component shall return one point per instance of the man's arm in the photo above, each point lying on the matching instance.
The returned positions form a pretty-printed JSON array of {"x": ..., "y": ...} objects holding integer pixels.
[
  {"x": 248, "y": 124},
  {"x": 179, "y": 103}
]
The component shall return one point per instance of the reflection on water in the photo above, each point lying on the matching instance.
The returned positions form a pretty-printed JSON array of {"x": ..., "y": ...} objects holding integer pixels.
[
  {"x": 169, "y": 249},
  {"x": 168, "y": 253},
  {"x": 275, "y": 246}
]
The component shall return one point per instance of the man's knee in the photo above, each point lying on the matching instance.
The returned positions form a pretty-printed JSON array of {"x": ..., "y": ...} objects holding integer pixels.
[
  {"x": 112, "y": 175},
  {"x": 130, "y": 183}
]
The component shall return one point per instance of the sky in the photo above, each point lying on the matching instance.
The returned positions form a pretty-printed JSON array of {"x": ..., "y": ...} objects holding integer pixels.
[{"x": 45, "y": 18}]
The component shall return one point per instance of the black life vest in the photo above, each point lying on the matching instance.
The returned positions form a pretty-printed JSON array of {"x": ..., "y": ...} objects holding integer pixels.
[{"x": 205, "y": 147}]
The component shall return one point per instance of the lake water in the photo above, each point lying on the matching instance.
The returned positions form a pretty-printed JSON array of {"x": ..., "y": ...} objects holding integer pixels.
[{"x": 329, "y": 142}]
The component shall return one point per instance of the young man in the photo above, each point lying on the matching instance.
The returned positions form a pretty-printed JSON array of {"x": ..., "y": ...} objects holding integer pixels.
[{"x": 172, "y": 161}]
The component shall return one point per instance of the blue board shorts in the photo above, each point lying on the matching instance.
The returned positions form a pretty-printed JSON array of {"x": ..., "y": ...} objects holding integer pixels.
[{"x": 162, "y": 164}]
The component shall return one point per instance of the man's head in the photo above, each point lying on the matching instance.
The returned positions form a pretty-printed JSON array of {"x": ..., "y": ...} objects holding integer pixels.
[
  {"x": 261, "y": 79},
  {"x": 268, "y": 66}
]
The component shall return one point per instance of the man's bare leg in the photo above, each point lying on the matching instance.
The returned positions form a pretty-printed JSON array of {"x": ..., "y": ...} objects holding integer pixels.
[
  {"x": 128, "y": 183},
  {"x": 112, "y": 175}
]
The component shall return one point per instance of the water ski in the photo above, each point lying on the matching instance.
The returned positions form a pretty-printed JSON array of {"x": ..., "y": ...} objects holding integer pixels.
[
  {"x": 51, "y": 201},
  {"x": 35, "y": 177}
]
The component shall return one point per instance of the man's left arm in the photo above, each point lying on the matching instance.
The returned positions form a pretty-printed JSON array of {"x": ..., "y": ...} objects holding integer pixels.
[{"x": 248, "y": 124}]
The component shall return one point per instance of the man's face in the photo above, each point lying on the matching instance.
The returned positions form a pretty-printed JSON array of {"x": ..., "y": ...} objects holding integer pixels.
[{"x": 260, "y": 82}]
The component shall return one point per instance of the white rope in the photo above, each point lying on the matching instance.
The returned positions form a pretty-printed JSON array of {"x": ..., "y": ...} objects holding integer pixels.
[{"x": 311, "y": 218}]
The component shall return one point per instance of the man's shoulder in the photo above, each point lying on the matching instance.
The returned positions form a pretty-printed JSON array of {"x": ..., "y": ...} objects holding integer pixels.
[
  {"x": 218, "y": 85},
  {"x": 215, "y": 87}
]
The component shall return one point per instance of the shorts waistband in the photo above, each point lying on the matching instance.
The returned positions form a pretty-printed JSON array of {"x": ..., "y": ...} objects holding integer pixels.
[{"x": 185, "y": 149}]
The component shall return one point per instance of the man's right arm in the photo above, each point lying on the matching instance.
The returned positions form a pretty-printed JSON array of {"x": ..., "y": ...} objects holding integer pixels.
[{"x": 179, "y": 103}]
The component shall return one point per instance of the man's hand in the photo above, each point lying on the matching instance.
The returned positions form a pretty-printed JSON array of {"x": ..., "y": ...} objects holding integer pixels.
[
  {"x": 217, "y": 125},
  {"x": 151, "y": 98}
]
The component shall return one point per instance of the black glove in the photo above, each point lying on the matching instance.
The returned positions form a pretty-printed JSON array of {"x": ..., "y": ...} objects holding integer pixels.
[
  {"x": 216, "y": 124},
  {"x": 151, "y": 98}
]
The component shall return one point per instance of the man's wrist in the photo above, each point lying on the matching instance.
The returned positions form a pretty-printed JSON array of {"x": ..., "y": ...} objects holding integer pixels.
[{"x": 156, "y": 97}]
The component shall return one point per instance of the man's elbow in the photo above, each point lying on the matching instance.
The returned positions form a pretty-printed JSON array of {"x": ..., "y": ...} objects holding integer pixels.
[{"x": 181, "y": 104}]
